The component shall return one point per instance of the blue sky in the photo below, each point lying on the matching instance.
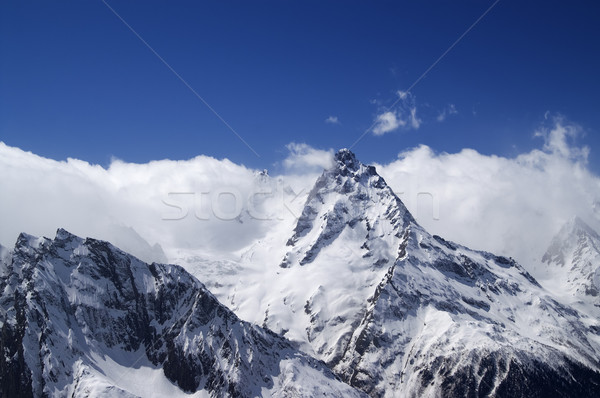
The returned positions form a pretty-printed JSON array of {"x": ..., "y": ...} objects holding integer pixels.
[{"x": 76, "y": 82}]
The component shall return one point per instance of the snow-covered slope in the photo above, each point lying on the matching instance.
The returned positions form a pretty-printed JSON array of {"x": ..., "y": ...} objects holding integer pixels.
[
  {"x": 396, "y": 311},
  {"x": 81, "y": 318},
  {"x": 571, "y": 266}
]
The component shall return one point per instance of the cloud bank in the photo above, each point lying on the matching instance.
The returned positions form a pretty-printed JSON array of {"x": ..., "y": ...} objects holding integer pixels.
[
  {"x": 200, "y": 203},
  {"x": 510, "y": 206}
]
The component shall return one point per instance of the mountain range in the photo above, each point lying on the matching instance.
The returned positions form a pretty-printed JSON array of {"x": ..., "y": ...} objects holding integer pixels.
[{"x": 355, "y": 299}]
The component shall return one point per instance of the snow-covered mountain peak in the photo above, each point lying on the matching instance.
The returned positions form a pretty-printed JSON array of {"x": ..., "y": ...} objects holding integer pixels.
[
  {"x": 64, "y": 235},
  {"x": 573, "y": 231},
  {"x": 28, "y": 245},
  {"x": 346, "y": 158},
  {"x": 67, "y": 240},
  {"x": 348, "y": 196},
  {"x": 346, "y": 163},
  {"x": 350, "y": 231},
  {"x": 26, "y": 241},
  {"x": 573, "y": 239},
  {"x": 571, "y": 265},
  {"x": 578, "y": 225},
  {"x": 394, "y": 310}
]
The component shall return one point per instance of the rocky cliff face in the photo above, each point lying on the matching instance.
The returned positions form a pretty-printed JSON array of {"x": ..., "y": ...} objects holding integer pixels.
[{"x": 82, "y": 318}]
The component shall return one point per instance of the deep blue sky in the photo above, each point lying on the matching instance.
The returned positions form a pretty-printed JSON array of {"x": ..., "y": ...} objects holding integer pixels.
[{"x": 75, "y": 82}]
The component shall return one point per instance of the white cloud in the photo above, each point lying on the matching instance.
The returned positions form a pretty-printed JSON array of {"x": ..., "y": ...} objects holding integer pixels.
[
  {"x": 415, "y": 122},
  {"x": 447, "y": 111},
  {"x": 402, "y": 115},
  {"x": 304, "y": 159},
  {"x": 332, "y": 120},
  {"x": 174, "y": 203},
  {"x": 403, "y": 95},
  {"x": 386, "y": 122},
  {"x": 557, "y": 136}
]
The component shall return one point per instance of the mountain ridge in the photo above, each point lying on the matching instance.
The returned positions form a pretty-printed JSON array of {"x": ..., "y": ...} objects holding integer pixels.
[{"x": 115, "y": 312}]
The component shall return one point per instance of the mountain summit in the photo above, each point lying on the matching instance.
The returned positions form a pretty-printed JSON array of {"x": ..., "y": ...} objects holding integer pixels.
[
  {"x": 348, "y": 194},
  {"x": 346, "y": 158},
  {"x": 571, "y": 265}
]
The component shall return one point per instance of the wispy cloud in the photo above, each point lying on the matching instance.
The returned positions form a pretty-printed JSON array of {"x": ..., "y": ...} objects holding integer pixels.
[
  {"x": 447, "y": 111},
  {"x": 510, "y": 206},
  {"x": 386, "y": 122},
  {"x": 415, "y": 122},
  {"x": 403, "y": 95},
  {"x": 425, "y": 73},
  {"x": 332, "y": 120},
  {"x": 557, "y": 133},
  {"x": 403, "y": 115},
  {"x": 304, "y": 158}
]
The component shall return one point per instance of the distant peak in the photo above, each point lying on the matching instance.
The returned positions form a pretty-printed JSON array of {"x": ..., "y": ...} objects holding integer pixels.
[
  {"x": 577, "y": 225},
  {"x": 576, "y": 221},
  {"x": 24, "y": 239},
  {"x": 26, "y": 242},
  {"x": 345, "y": 157},
  {"x": 567, "y": 239}
]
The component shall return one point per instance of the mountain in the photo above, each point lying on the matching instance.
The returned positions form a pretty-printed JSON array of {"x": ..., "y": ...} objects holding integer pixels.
[
  {"x": 354, "y": 298},
  {"x": 396, "y": 311},
  {"x": 571, "y": 265},
  {"x": 81, "y": 318}
]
